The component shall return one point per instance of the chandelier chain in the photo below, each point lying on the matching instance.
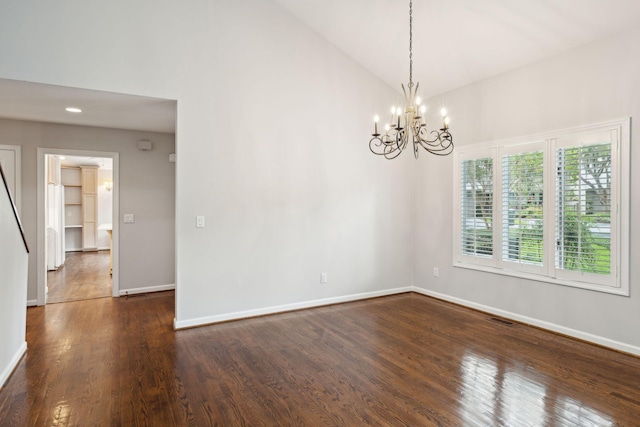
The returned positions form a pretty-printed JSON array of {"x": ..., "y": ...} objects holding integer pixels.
[{"x": 410, "y": 43}]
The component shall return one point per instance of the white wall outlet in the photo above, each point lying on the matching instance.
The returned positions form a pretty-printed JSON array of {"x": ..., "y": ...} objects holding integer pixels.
[
  {"x": 436, "y": 273},
  {"x": 200, "y": 221},
  {"x": 323, "y": 277},
  {"x": 129, "y": 218}
]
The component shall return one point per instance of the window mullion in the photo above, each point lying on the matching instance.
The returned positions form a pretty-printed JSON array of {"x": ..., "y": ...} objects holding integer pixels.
[{"x": 550, "y": 203}]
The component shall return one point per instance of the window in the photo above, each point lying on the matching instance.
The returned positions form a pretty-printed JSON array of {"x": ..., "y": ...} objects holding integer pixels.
[
  {"x": 477, "y": 207},
  {"x": 553, "y": 208}
]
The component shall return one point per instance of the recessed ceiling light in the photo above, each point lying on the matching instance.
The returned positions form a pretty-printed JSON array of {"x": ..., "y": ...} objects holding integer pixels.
[{"x": 73, "y": 110}]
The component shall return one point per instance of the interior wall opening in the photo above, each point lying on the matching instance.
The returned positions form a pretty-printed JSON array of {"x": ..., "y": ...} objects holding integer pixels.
[{"x": 78, "y": 227}]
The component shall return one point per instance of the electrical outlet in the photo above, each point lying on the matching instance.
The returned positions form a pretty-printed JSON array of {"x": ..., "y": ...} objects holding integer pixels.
[
  {"x": 129, "y": 218},
  {"x": 199, "y": 221},
  {"x": 323, "y": 277},
  {"x": 436, "y": 273}
]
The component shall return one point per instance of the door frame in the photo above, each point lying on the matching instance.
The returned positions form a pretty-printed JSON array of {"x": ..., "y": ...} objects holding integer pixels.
[
  {"x": 17, "y": 150},
  {"x": 41, "y": 262}
]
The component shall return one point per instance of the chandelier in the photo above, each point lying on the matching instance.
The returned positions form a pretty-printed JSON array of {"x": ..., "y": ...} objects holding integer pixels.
[{"x": 409, "y": 122}]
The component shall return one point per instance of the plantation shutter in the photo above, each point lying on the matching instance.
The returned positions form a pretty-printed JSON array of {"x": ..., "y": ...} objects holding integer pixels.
[
  {"x": 522, "y": 208},
  {"x": 583, "y": 208},
  {"x": 477, "y": 207}
]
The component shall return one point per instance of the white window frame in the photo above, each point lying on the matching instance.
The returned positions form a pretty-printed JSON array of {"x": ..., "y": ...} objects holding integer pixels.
[{"x": 617, "y": 282}]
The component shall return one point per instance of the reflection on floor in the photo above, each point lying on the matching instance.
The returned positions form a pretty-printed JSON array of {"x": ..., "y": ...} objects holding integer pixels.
[
  {"x": 400, "y": 360},
  {"x": 85, "y": 275}
]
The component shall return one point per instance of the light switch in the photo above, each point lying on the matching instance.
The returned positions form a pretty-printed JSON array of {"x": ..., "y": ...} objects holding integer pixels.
[
  {"x": 129, "y": 218},
  {"x": 200, "y": 221}
]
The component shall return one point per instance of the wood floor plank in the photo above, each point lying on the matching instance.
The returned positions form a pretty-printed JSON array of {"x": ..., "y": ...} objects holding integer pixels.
[
  {"x": 403, "y": 360},
  {"x": 84, "y": 275}
]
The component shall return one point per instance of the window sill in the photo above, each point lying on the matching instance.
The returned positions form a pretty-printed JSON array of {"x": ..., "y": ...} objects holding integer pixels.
[{"x": 621, "y": 291}]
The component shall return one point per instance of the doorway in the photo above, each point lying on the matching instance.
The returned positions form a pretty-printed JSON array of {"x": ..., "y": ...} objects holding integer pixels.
[
  {"x": 78, "y": 226},
  {"x": 77, "y": 239}
]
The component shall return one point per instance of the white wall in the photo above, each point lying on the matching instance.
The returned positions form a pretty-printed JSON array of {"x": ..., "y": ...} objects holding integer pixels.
[
  {"x": 273, "y": 124},
  {"x": 272, "y": 132},
  {"x": 13, "y": 288},
  {"x": 590, "y": 84},
  {"x": 147, "y": 189}
]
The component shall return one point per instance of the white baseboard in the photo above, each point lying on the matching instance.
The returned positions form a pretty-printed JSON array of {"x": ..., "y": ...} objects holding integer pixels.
[
  {"x": 6, "y": 373},
  {"x": 201, "y": 321},
  {"x": 32, "y": 302},
  {"x": 585, "y": 336},
  {"x": 148, "y": 289}
]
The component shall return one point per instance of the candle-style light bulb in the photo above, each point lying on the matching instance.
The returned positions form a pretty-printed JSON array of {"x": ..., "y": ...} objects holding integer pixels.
[
  {"x": 443, "y": 112},
  {"x": 386, "y": 129},
  {"x": 423, "y": 110},
  {"x": 376, "y": 119},
  {"x": 445, "y": 123},
  {"x": 416, "y": 110}
]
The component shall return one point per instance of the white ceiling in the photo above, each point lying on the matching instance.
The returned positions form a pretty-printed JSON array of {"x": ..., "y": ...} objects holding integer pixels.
[
  {"x": 456, "y": 42},
  {"x": 47, "y": 103},
  {"x": 77, "y": 161}
]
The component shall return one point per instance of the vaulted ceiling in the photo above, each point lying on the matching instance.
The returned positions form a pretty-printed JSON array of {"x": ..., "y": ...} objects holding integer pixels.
[{"x": 456, "y": 42}]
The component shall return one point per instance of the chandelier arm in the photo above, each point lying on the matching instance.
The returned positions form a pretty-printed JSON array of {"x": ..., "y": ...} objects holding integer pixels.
[
  {"x": 392, "y": 153},
  {"x": 440, "y": 135},
  {"x": 403, "y": 139},
  {"x": 421, "y": 137},
  {"x": 378, "y": 146},
  {"x": 441, "y": 145},
  {"x": 376, "y": 143},
  {"x": 389, "y": 146},
  {"x": 443, "y": 151}
]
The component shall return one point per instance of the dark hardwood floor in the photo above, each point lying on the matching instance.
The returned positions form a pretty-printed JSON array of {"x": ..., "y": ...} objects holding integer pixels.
[
  {"x": 85, "y": 275},
  {"x": 404, "y": 360}
]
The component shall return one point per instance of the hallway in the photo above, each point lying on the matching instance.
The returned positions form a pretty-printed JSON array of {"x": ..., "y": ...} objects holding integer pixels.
[{"x": 85, "y": 275}]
